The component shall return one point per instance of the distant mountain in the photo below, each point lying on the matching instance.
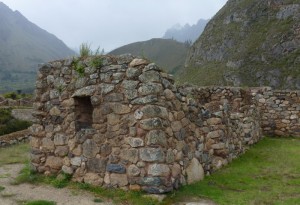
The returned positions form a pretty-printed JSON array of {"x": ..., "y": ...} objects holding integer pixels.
[
  {"x": 186, "y": 32},
  {"x": 249, "y": 43},
  {"x": 167, "y": 53},
  {"x": 23, "y": 45}
]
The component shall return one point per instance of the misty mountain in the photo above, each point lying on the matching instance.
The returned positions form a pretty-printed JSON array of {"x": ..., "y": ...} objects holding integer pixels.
[
  {"x": 167, "y": 53},
  {"x": 186, "y": 32},
  {"x": 23, "y": 45}
]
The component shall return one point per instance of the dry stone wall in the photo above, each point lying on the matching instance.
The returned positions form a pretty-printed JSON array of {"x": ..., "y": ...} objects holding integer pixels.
[
  {"x": 125, "y": 124},
  {"x": 280, "y": 110}
]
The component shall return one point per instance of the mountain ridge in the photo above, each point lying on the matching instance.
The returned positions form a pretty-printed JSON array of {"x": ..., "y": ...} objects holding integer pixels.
[
  {"x": 24, "y": 45},
  {"x": 248, "y": 43},
  {"x": 167, "y": 53}
]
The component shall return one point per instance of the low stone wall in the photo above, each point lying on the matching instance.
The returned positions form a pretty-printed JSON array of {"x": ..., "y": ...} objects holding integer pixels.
[
  {"x": 24, "y": 102},
  {"x": 15, "y": 138},
  {"x": 125, "y": 124},
  {"x": 280, "y": 111},
  {"x": 23, "y": 114}
]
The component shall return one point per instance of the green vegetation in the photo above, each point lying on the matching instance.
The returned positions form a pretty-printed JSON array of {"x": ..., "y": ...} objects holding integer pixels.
[
  {"x": 2, "y": 188},
  {"x": 16, "y": 96},
  {"x": 40, "y": 202},
  {"x": 85, "y": 50},
  {"x": 8, "y": 124},
  {"x": 97, "y": 200},
  {"x": 267, "y": 174},
  {"x": 166, "y": 53},
  {"x": 95, "y": 60},
  {"x": 14, "y": 154}
]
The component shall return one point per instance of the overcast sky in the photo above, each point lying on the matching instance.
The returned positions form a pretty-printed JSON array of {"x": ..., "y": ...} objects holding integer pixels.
[{"x": 112, "y": 23}]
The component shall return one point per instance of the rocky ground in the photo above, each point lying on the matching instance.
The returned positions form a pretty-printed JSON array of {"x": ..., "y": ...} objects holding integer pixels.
[{"x": 16, "y": 194}]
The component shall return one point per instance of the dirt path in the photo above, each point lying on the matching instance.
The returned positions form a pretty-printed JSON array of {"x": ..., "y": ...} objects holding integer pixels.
[{"x": 15, "y": 194}]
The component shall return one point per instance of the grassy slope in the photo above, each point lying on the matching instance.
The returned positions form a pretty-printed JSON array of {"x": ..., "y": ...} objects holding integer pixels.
[
  {"x": 247, "y": 43},
  {"x": 267, "y": 174},
  {"x": 167, "y": 53},
  {"x": 14, "y": 154}
]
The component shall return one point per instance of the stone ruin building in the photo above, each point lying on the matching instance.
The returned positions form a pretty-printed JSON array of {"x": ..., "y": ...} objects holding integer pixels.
[{"x": 123, "y": 123}]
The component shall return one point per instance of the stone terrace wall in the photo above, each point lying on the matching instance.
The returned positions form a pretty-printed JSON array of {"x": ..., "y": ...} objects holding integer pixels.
[
  {"x": 124, "y": 124},
  {"x": 280, "y": 111}
]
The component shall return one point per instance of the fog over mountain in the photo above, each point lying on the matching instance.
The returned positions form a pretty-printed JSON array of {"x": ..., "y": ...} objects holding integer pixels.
[
  {"x": 186, "y": 32},
  {"x": 23, "y": 45}
]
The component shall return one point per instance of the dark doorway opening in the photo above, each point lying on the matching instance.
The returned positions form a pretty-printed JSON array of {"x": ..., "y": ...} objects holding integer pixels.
[{"x": 83, "y": 113}]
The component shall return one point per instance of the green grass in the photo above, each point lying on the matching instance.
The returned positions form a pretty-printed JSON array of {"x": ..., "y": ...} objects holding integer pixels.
[
  {"x": 267, "y": 174},
  {"x": 40, "y": 202},
  {"x": 2, "y": 188},
  {"x": 14, "y": 154}
]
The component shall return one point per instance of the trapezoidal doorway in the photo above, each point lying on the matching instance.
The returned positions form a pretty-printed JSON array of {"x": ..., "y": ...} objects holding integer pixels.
[{"x": 83, "y": 113}]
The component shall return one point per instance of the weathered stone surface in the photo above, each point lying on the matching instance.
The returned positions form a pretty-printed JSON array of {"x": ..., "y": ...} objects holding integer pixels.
[
  {"x": 118, "y": 179},
  {"x": 120, "y": 108},
  {"x": 214, "y": 121},
  {"x": 86, "y": 91},
  {"x": 55, "y": 111},
  {"x": 150, "y": 111},
  {"x": 129, "y": 84},
  {"x": 137, "y": 62},
  {"x": 215, "y": 134},
  {"x": 114, "y": 97},
  {"x": 152, "y": 155},
  {"x": 113, "y": 119},
  {"x": 106, "y": 88},
  {"x": 76, "y": 161},
  {"x": 194, "y": 171},
  {"x": 133, "y": 171},
  {"x": 156, "y": 137},
  {"x": 47, "y": 144},
  {"x": 159, "y": 170},
  {"x": 92, "y": 178},
  {"x": 116, "y": 168},
  {"x": 151, "y": 124},
  {"x": 54, "y": 162},
  {"x": 133, "y": 72},
  {"x": 90, "y": 148},
  {"x": 61, "y": 151},
  {"x": 60, "y": 139},
  {"x": 176, "y": 126},
  {"x": 150, "y": 181},
  {"x": 150, "y": 88},
  {"x": 150, "y": 76},
  {"x": 96, "y": 165},
  {"x": 145, "y": 100},
  {"x": 67, "y": 170},
  {"x": 131, "y": 155},
  {"x": 135, "y": 142}
]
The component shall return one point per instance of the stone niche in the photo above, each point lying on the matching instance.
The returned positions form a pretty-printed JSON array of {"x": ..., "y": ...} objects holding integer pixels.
[{"x": 124, "y": 124}]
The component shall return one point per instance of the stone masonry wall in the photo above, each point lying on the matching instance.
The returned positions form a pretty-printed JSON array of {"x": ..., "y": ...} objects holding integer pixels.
[
  {"x": 280, "y": 111},
  {"x": 123, "y": 123}
]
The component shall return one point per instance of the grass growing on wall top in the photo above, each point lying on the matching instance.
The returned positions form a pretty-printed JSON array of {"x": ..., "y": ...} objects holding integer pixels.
[{"x": 267, "y": 174}]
